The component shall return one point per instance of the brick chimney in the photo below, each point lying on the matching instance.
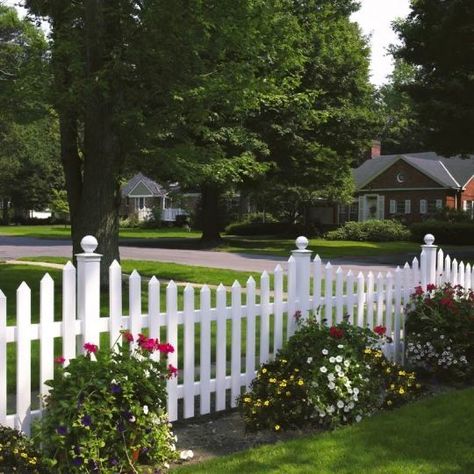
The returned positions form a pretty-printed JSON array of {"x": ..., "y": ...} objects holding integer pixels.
[{"x": 376, "y": 149}]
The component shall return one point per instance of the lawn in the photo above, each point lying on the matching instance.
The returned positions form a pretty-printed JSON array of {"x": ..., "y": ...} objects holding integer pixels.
[{"x": 431, "y": 436}]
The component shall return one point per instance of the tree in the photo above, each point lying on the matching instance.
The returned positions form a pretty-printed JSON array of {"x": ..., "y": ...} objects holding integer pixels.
[
  {"x": 437, "y": 40},
  {"x": 402, "y": 130},
  {"x": 29, "y": 152}
]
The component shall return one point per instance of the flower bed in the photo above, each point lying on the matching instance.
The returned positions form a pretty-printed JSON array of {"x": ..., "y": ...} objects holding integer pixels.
[
  {"x": 327, "y": 377},
  {"x": 440, "y": 332}
]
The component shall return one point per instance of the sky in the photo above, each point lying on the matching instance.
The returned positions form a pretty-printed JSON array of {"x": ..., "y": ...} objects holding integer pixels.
[{"x": 374, "y": 18}]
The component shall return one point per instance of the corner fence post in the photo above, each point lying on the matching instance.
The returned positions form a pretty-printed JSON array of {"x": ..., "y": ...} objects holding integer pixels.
[
  {"x": 88, "y": 291},
  {"x": 430, "y": 252},
  {"x": 303, "y": 266}
]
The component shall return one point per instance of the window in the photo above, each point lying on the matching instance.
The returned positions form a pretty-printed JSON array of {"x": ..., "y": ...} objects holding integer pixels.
[
  {"x": 400, "y": 206},
  {"x": 423, "y": 206},
  {"x": 468, "y": 206},
  {"x": 407, "y": 206},
  {"x": 433, "y": 205}
]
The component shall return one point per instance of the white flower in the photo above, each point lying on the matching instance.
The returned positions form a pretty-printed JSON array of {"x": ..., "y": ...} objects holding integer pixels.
[
  {"x": 340, "y": 404},
  {"x": 309, "y": 360},
  {"x": 331, "y": 377},
  {"x": 166, "y": 465},
  {"x": 358, "y": 418},
  {"x": 331, "y": 385},
  {"x": 132, "y": 419},
  {"x": 330, "y": 409},
  {"x": 340, "y": 346},
  {"x": 337, "y": 368},
  {"x": 323, "y": 369},
  {"x": 325, "y": 352},
  {"x": 346, "y": 363},
  {"x": 145, "y": 409},
  {"x": 186, "y": 454},
  {"x": 351, "y": 405},
  {"x": 339, "y": 359},
  {"x": 332, "y": 360},
  {"x": 441, "y": 337},
  {"x": 356, "y": 391},
  {"x": 340, "y": 374}
]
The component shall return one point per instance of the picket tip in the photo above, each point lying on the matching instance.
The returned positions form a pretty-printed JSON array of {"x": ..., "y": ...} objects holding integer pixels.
[
  {"x": 349, "y": 273},
  {"x": 47, "y": 278},
  {"x": 328, "y": 265},
  {"x": 264, "y": 274},
  {"x": 188, "y": 288},
  {"x": 278, "y": 268},
  {"x": 221, "y": 287},
  {"x": 291, "y": 259},
  {"x": 134, "y": 275},
  {"x": 69, "y": 266},
  {"x": 236, "y": 284},
  {"x": 339, "y": 270},
  {"x": 153, "y": 281},
  {"x": 171, "y": 284},
  {"x": 204, "y": 288},
  {"x": 360, "y": 275},
  {"x": 398, "y": 270},
  {"x": 2, "y": 295},
  {"x": 317, "y": 258},
  {"x": 250, "y": 280},
  {"x": 370, "y": 274},
  {"x": 406, "y": 266},
  {"x": 115, "y": 265},
  {"x": 455, "y": 261},
  {"x": 23, "y": 287}
]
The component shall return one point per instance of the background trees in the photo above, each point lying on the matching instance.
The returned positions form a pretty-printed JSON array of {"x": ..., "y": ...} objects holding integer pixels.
[{"x": 437, "y": 40}]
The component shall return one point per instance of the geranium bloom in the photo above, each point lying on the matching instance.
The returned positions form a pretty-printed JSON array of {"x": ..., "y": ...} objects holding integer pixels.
[
  {"x": 127, "y": 336},
  {"x": 59, "y": 360},
  {"x": 430, "y": 287},
  {"x": 335, "y": 332},
  {"x": 380, "y": 330},
  {"x": 172, "y": 371},
  {"x": 166, "y": 348},
  {"x": 90, "y": 348}
]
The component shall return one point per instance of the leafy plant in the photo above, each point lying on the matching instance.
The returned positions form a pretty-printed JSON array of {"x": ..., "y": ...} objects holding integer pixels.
[
  {"x": 371, "y": 231},
  {"x": 440, "y": 331},
  {"x": 106, "y": 411},
  {"x": 18, "y": 454},
  {"x": 328, "y": 377}
]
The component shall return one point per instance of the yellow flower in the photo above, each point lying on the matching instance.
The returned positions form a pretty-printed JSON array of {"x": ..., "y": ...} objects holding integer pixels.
[
  {"x": 292, "y": 377},
  {"x": 378, "y": 354},
  {"x": 300, "y": 382},
  {"x": 297, "y": 370},
  {"x": 367, "y": 350},
  {"x": 272, "y": 380},
  {"x": 389, "y": 402},
  {"x": 401, "y": 391},
  {"x": 264, "y": 370},
  {"x": 392, "y": 386},
  {"x": 284, "y": 361},
  {"x": 401, "y": 372},
  {"x": 283, "y": 384},
  {"x": 388, "y": 370},
  {"x": 418, "y": 385},
  {"x": 247, "y": 399},
  {"x": 266, "y": 403},
  {"x": 23, "y": 455},
  {"x": 288, "y": 394},
  {"x": 277, "y": 427}
]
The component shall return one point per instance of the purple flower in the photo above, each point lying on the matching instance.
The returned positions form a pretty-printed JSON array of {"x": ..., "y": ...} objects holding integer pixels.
[
  {"x": 115, "y": 388},
  {"x": 61, "y": 430},
  {"x": 93, "y": 466},
  {"x": 113, "y": 461},
  {"x": 86, "y": 420},
  {"x": 127, "y": 415},
  {"x": 77, "y": 461},
  {"x": 77, "y": 450}
]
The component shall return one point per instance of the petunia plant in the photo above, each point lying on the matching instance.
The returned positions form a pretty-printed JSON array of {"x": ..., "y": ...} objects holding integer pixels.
[{"x": 106, "y": 410}]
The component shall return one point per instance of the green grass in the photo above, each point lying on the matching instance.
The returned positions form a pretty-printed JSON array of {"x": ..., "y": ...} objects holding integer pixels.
[{"x": 431, "y": 436}]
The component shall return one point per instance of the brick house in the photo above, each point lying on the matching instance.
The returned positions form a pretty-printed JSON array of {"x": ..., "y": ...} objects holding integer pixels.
[{"x": 410, "y": 187}]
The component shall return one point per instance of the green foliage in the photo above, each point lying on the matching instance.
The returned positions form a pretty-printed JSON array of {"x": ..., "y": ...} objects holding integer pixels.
[
  {"x": 456, "y": 233},
  {"x": 440, "y": 329},
  {"x": 18, "y": 454},
  {"x": 436, "y": 42},
  {"x": 371, "y": 231},
  {"x": 266, "y": 228},
  {"x": 106, "y": 411},
  {"x": 327, "y": 377}
]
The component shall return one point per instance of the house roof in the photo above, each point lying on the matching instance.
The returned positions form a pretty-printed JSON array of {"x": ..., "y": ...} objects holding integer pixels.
[
  {"x": 448, "y": 172},
  {"x": 140, "y": 179}
]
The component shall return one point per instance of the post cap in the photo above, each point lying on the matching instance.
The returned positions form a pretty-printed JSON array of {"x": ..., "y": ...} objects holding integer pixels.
[
  {"x": 302, "y": 242},
  {"x": 89, "y": 243},
  {"x": 429, "y": 239}
]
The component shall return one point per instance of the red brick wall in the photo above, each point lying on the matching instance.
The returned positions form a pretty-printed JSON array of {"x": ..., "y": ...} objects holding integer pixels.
[{"x": 468, "y": 194}]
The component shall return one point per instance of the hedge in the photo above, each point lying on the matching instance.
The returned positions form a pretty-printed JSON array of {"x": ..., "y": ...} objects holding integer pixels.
[
  {"x": 456, "y": 233},
  {"x": 371, "y": 231}
]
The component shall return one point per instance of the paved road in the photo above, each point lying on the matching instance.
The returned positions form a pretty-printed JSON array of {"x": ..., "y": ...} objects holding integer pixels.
[{"x": 12, "y": 248}]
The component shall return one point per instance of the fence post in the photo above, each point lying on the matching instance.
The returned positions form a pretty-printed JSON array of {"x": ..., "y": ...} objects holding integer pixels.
[
  {"x": 430, "y": 251},
  {"x": 303, "y": 265},
  {"x": 88, "y": 290}
]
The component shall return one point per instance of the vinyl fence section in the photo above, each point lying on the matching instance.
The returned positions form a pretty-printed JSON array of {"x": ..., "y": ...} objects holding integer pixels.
[{"x": 220, "y": 334}]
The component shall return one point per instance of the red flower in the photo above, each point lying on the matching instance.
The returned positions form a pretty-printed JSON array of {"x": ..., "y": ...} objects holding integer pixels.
[
  {"x": 166, "y": 348},
  {"x": 418, "y": 291},
  {"x": 90, "y": 348},
  {"x": 297, "y": 315},
  {"x": 59, "y": 360},
  {"x": 172, "y": 371},
  {"x": 446, "y": 301},
  {"x": 430, "y": 287},
  {"x": 127, "y": 336},
  {"x": 380, "y": 330},
  {"x": 335, "y": 332},
  {"x": 147, "y": 343}
]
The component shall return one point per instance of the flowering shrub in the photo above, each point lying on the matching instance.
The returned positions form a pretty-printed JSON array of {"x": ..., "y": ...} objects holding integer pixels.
[
  {"x": 326, "y": 376},
  {"x": 440, "y": 331},
  {"x": 106, "y": 411},
  {"x": 17, "y": 453}
]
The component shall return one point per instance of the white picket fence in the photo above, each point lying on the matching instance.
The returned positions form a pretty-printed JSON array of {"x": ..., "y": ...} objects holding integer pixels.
[{"x": 263, "y": 321}]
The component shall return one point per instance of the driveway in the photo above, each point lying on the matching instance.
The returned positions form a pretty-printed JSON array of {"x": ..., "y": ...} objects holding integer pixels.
[{"x": 12, "y": 248}]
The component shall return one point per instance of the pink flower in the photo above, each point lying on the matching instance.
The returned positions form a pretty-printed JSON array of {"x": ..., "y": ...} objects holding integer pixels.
[
  {"x": 418, "y": 291},
  {"x": 430, "y": 287},
  {"x": 59, "y": 360},
  {"x": 165, "y": 348},
  {"x": 380, "y": 330},
  {"x": 127, "y": 336},
  {"x": 90, "y": 348},
  {"x": 172, "y": 371}
]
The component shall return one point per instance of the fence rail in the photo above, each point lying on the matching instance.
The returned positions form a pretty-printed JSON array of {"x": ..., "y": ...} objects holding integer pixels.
[{"x": 233, "y": 338}]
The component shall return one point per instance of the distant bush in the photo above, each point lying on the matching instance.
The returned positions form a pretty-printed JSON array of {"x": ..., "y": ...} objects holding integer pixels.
[
  {"x": 449, "y": 214},
  {"x": 269, "y": 228},
  {"x": 372, "y": 231},
  {"x": 456, "y": 233}
]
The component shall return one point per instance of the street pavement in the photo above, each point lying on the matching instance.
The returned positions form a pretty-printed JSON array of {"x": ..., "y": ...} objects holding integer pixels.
[{"x": 12, "y": 248}]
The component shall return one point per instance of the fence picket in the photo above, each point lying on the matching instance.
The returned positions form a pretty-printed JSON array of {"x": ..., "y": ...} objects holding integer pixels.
[
  {"x": 380, "y": 298},
  {"x": 3, "y": 358},
  {"x": 360, "y": 299},
  {"x": 397, "y": 313},
  {"x": 406, "y": 283},
  {"x": 188, "y": 351},
  {"x": 416, "y": 273},
  {"x": 317, "y": 280},
  {"x": 68, "y": 328},
  {"x": 154, "y": 313},
  {"x": 339, "y": 296},
  {"x": 250, "y": 339},
  {"x": 388, "y": 302},
  {"x": 23, "y": 353},
  {"x": 221, "y": 342},
  {"x": 350, "y": 295},
  {"x": 454, "y": 272},
  {"x": 172, "y": 338},
  {"x": 135, "y": 302},
  {"x": 278, "y": 308},
  {"x": 264, "y": 317},
  {"x": 46, "y": 332},
  {"x": 468, "y": 277},
  {"x": 290, "y": 327},
  {"x": 423, "y": 269},
  {"x": 462, "y": 275},
  {"x": 447, "y": 268},
  {"x": 115, "y": 301},
  {"x": 205, "y": 352},
  {"x": 329, "y": 276},
  {"x": 236, "y": 343},
  {"x": 440, "y": 268},
  {"x": 370, "y": 300}
]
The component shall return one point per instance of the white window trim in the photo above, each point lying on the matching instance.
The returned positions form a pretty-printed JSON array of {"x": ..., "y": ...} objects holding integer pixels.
[
  {"x": 423, "y": 206},
  {"x": 407, "y": 206}
]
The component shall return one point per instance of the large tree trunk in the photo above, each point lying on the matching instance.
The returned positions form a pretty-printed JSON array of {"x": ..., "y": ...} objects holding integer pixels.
[
  {"x": 5, "y": 213},
  {"x": 210, "y": 215}
]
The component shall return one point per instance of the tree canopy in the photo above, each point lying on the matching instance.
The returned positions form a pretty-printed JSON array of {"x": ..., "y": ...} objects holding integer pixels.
[{"x": 437, "y": 40}]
